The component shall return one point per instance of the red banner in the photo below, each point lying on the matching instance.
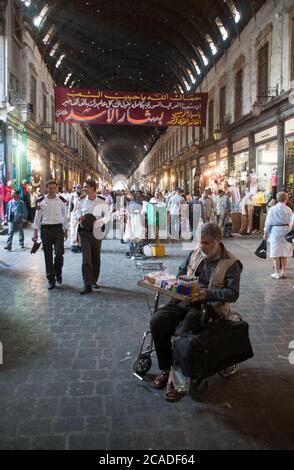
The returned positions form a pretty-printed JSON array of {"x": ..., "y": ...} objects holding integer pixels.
[{"x": 130, "y": 109}]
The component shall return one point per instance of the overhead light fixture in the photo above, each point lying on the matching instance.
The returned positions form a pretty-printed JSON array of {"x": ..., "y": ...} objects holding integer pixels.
[
  {"x": 38, "y": 20},
  {"x": 221, "y": 28},
  {"x": 67, "y": 78},
  {"x": 236, "y": 15},
  {"x": 211, "y": 44},
  {"x": 48, "y": 35},
  {"x": 203, "y": 56},
  {"x": 188, "y": 87},
  {"x": 54, "y": 49},
  {"x": 57, "y": 65},
  {"x": 191, "y": 76},
  {"x": 217, "y": 134}
]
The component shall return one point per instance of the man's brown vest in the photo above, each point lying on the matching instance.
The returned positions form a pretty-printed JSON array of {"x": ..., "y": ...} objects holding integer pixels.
[{"x": 218, "y": 276}]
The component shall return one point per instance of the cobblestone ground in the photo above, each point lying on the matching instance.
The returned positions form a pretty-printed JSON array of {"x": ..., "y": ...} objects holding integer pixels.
[{"x": 66, "y": 380}]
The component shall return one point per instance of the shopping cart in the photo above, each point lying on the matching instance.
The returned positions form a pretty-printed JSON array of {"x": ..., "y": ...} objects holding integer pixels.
[{"x": 143, "y": 361}]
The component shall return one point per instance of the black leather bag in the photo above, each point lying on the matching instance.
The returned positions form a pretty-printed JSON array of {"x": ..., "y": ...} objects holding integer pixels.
[
  {"x": 87, "y": 223},
  {"x": 290, "y": 236},
  {"x": 220, "y": 345},
  {"x": 261, "y": 250}
]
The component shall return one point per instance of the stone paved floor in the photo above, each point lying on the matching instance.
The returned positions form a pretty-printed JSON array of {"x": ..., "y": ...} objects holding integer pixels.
[{"x": 66, "y": 381}]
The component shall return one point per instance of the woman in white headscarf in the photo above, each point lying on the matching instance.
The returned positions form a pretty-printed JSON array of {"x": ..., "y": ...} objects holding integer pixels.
[{"x": 277, "y": 225}]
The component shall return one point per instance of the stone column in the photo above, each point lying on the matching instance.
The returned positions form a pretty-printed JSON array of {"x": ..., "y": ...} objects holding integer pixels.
[
  {"x": 252, "y": 152},
  {"x": 281, "y": 155}
]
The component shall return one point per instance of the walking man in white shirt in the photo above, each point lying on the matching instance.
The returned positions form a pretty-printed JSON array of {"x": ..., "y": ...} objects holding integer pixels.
[
  {"x": 174, "y": 209},
  {"x": 51, "y": 218},
  {"x": 93, "y": 214}
]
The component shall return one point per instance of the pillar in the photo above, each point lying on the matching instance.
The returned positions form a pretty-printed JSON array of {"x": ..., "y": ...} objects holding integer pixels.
[{"x": 281, "y": 156}]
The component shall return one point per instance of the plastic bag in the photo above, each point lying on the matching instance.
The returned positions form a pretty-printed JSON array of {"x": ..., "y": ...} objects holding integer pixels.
[{"x": 261, "y": 250}]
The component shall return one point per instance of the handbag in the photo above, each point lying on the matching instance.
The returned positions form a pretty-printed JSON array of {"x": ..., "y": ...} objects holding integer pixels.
[
  {"x": 290, "y": 236},
  {"x": 35, "y": 247},
  {"x": 220, "y": 345},
  {"x": 261, "y": 250}
]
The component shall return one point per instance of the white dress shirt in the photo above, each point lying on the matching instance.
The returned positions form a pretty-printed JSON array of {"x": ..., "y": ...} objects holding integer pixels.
[
  {"x": 98, "y": 207},
  {"x": 51, "y": 212}
]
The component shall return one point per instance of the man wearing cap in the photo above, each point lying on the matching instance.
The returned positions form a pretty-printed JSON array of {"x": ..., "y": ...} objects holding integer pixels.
[
  {"x": 93, "y": 214},
  {"x": 51, "y": 218}
]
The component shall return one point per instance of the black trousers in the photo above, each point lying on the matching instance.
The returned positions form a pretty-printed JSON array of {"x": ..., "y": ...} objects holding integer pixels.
[
  {"x": 53, "y": 237},
  {"x": 91, "y": 251},
  {"x": 163, "y": 325},
  {"x": 256, "y": 218}
]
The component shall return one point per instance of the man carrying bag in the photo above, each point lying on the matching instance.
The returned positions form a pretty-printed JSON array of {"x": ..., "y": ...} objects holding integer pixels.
[{"x": 92, "y": 213}]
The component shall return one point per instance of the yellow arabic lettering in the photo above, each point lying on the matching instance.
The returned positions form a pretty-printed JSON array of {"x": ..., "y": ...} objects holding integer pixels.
[{"x": 185, "y": 118}]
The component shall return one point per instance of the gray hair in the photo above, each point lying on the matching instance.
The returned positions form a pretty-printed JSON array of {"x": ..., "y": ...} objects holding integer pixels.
[
  {"x": 282, "y": 196},
  {"x": 211, "y": 230}
]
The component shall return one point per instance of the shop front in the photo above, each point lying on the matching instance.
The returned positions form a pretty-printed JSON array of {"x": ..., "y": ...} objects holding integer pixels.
[
  {"x": 34, "y": 163},
  {"x": 223, "y": 167},
  {"x": 188, "y": 178},
  {"x": 202, "y": 177},
  {"x": 19, "y": 170},
  {"x": 240, "y": 170},
  {"x": 214, "y": 177},
  {"x": 289, "y": 158},
  {"x": 266, "y": 162}
]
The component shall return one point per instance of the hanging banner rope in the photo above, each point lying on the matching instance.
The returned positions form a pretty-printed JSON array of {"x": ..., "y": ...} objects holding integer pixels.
[{"x": 131, "y": 109}]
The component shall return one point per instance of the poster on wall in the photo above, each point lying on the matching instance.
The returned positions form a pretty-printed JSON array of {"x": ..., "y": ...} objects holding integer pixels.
[{"x": 130, "y": 109}]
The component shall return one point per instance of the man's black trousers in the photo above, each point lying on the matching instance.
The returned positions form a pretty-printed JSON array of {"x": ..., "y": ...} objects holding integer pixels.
[
  {"x": 163, "y": 325},
  {"x": 91, "y": 250},
  {"x": 53, "y": 236}
]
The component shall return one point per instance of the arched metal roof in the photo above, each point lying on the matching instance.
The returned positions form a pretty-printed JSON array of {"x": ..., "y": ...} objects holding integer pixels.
[{"x": 132, "y": 45}]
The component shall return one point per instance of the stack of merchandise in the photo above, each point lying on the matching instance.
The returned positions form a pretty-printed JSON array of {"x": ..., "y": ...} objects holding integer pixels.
[
  {"x": 187, "y": 285},
  {"x": 161, "y": 279},
  {"x": 184, "y": 285}
]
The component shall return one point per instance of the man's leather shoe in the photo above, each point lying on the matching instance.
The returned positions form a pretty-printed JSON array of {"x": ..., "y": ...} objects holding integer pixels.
[
  {"x": 7, "y": 248},
  {"x": 86, "y": 290},
  {"x": 51, "y": 286},
  {"x": 59, "y": 279}
]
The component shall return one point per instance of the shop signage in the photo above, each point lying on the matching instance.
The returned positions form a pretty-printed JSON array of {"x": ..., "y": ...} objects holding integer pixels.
[
  {"x": 223, "y": 153},
  {"x": 269, "y": 133},
  {"x": 289, "y": 126},
  {"x": 241, "y": 145},
  {"x": 88, "y": 106},
  {"x": 212, "y": 156}
]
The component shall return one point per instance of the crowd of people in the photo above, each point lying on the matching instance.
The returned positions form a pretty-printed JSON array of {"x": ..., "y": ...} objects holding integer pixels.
[
  {"x": 85, "y": 215},
  {"x": 130, "y": 213}
]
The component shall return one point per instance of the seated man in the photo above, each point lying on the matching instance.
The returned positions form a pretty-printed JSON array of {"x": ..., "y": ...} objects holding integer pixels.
[{"x": 219, "y": 277}]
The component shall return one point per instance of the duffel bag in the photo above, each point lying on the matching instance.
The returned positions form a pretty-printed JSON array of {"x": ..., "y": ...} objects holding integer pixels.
[{"x": 221, "y": 344}]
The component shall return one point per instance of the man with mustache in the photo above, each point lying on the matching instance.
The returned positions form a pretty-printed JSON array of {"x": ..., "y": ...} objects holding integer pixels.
[{"x": 219, "y": 278}]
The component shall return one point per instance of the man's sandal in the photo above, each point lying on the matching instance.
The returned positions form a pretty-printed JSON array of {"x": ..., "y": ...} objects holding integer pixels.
[
  {"x": 171, "y": 394},
  {"x": 160, "y": 380}
]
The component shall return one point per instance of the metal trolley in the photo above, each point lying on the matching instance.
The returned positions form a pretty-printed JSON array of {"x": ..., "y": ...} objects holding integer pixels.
[{"x": 143, "y": 361}]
